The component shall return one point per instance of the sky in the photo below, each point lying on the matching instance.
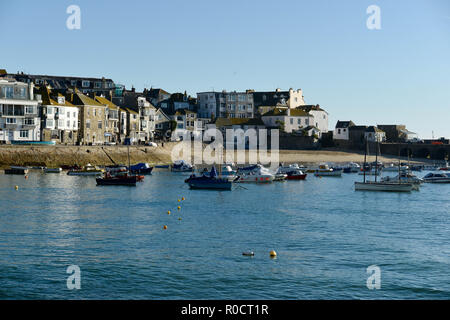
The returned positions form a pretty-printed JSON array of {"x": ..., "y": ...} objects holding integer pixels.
[{"x": 399, "y": 74}]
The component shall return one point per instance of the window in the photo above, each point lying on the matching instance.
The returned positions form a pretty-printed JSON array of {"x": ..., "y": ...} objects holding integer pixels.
[
  {"x": 74, "y": 124},
  {"x": 68, "y": 114},
  {"x": 29, "y": 121},
  {"x": 85, "y": 83},
  {"x": 24, "y": 133},
  {"x": 99, "y": 125},
  {"x": 11, "y": 120},
  {"x": 339, "y": 131},
  {"x": 299, "y": 121},
  {"x": 97, "y": 85},
  {"x": 292, "y": 120},
  {"x": 73, "y": 83},
  {"x": 88, "y": 124},
  {"x": 74, "y": 114},
  {"x": 95, "y": 112},
  {"x": 29, "y": 109},
  {"x": 49, "y": 110},
  {"x": 68, "y": 123},
  {"x": 49, "y": 123}
]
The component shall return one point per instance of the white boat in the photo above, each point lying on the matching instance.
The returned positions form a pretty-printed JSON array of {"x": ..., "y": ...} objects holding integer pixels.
[
  {"x": 52, "y": 170},
  {"x": 405, "y": 177},
  {"x": 437, "y": 177},
  {"x": 383, "y": 186},
  {"x": 181, "y": 166},
  {"x": 352, "y": 167},
  {"x": 228, "y": 173},
  {"x": 394, "y": 168},
  {"x": 259, "y": 175},
  {"x": 88, "y": 170},
  {"x": 325, "y": 171}
]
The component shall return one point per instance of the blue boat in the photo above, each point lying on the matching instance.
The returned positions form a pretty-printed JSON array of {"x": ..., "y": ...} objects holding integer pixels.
[
  {"x": 141, "y": 168},
  {"x": 211, "y": 181}
]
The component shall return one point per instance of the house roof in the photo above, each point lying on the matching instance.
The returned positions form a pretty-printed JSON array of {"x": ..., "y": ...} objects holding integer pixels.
[
  {"x": 310, "y": 107},
  {"x": 160, "y": 111},
  {"x": 284, "y": 112},
  {"x": 224, "y": 122},
  {"x": 48, "y": 98},
  {"x": 106, "y": 102},
  {"x": 182, "y": 112},
  {"x": 310, "y": 128},
  {"x": 131, "y": 111},
  {"x": 79, "y": 99},
  {"x": 344, "y": 124}
]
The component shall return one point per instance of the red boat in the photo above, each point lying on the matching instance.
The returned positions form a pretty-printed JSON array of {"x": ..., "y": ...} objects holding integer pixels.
[
  {"x": 295, "y": 176},
  {"x": 120, "y": 179}
]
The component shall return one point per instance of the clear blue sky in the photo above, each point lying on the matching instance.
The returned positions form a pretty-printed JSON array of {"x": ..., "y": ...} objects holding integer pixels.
[{"x": 397, "y": 75}]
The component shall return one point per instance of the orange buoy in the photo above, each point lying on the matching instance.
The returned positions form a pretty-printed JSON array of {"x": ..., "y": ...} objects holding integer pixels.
[{"x": 165, "y": 227}]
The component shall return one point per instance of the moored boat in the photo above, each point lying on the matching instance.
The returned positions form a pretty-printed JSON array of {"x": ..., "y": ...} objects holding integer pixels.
[
  {"x": 88, "y": 170},
  {"x": 437, "y": 177},
  {"x": 211, "y": 181},
  {"x": 325, "y": 171},
  {"x": 53, "y": 170},
  {"x": 258, "y": 175},
  {"x": 120, "y": 179},
  {"x": 16, "y": 170},
  {"x": 141, "y": 168},
  {"x": 181, "y": 166},
  {"x": 383, "y": 186}
]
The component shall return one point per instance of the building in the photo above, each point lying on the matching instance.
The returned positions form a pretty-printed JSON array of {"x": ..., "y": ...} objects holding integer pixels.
[
  {"x": 320, "y": 116},
  {"x": 99, "y": 86},
  {"x": 177, "y": 101},
  {"x": 92, "y": 118},
  {"x": 147, "y": 114},
  {"x": 185, "y": 119},
  {"x": 122, "y": 124},
  {"x": 132, "y": 125},
  {"x": 112, "y": 130},
  {"x": 374, "y": 134},
  {"x": 225, "y": 104},
  {"x": 288, "y": 120},
  {"x": 19, "y": 114},
  {"x": 357, "y": 135},
  {"x": 155, "y": 96},
  {"x": 342, "y": 130},
  {"x": 291, "y": 99},
  {"x": 59, "y": 118},
  {"x": 162, "y": 124}
]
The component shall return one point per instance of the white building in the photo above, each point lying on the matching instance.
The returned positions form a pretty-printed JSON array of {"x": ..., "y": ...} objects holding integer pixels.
[
  {"x": 373, "y": 134},
  {"x": 147, "y": 116},
  {"x": 320, "y": 116},
  {"x": 341, "y": 131},
  {"x": 19, "y": 114},
  {"x": 289, "y": 120}
]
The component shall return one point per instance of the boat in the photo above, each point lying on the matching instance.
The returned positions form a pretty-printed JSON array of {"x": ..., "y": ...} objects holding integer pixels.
[
  {"x": 141, "y": 168},
  {"x": 17, "y": 170},
  {"x": 88, "y": 170},
  {"x": 181, "y": 166},
  {"x": 52, "y": 170},
  {"x": 228, "y": 173},
  {"x": 119, "y": 179},
  {"x": 211, "y": 181},
  {"x": 248, "y": 169},
  {"x": 393, "y": 186},
  {"x": 351, "y": 167},
  {"x": 405, "y": 177},
  {"x": 395, "y": 168},
  {"x": 258, "y": 175},
  {"x": 325, "y": 171},
  {"x": 280, "y": 176},
  {"x": 445, "y": 167},
  {"x": 293, "y": 172},
  {"x": 437, "y": 177}
]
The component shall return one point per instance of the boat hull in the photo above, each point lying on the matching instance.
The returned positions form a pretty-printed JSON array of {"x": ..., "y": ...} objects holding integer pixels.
[
  {"x": 296, "y": 177},
  {"x": 84, "y": 173},
  {"x": 219, "y": 184},
  {"x": 389, "y": 187},
  {"x": 130, "y": 181}
]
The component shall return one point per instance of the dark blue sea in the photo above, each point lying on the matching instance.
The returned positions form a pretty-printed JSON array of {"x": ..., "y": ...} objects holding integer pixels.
[{"x": 325, "y": 234}]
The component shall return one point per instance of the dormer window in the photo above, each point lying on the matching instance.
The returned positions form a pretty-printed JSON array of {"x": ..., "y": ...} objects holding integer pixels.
[
  {"x": 85, "y": 83},
  {"x": 61, "y": 100}
]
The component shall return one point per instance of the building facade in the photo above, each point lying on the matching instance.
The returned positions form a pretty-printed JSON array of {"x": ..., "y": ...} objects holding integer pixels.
[{"x": 19, "y": 114}]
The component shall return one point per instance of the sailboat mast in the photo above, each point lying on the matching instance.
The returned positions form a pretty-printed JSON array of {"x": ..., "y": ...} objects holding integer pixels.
[
  {"x": 365, "y": 161},
  {"x": 376, "y": 159}
]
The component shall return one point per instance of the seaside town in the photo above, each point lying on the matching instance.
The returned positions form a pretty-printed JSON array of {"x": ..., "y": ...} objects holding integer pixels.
[{"x": 60, "y": 110}]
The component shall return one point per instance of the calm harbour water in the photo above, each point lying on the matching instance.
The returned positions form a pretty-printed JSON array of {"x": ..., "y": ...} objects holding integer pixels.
[{"x": 324, "y": 232}]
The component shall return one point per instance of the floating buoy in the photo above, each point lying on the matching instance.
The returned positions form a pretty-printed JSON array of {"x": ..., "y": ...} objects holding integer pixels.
[
  {"x": 248, "y": 253},
  {"x": 179, "y": 200},
  {"x": 26, "y": 177},
  {"x": 183, "y": 199},
  {"x": 179, "y": 219},
  {"x": 273, "y": 254},
  {"x": 178, "y": 207},
  {"x": 168, "y": 212},
  {"x": 165, "y": 227},
  {"x": 16, "y": 187}
]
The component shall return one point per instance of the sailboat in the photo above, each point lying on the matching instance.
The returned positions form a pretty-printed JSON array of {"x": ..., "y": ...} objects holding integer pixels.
[
  {"x": 121, "y": 178},
  {"x": 211, "y": 181},
  {"x": 394, "y": 186}
]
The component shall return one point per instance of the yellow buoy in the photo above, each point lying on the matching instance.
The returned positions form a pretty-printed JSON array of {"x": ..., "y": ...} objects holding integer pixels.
[
  {"x": 16, "y": 187},
  {"x": 178, "y": 207},
  {"x": 273, "y": 254},
  {"x": 179, "y": 200},
  {"x": 168, "y": 212},
  {"x": 165, "y": 227}
]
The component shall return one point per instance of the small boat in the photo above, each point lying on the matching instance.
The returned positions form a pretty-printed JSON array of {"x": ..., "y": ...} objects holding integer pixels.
[
  {"x": 211, "y": 181},
  {"x": 293, "y": 172},
  {"x": 16, "y": 170},
  {"x": 325, "y": 171},
  {"x": 228, "y": 173},
  {"x": 383, "y": 186},
  {"x": 405, "y": 177},
  {"x": 394, "y": 168},
  {"x": 120, "y": 179},
  {"x": 53, "y": 170},
  {"x": 88, "y": 170},
  {"x": 437, "y": 177},
  {"x": 141, "y": 168},
  {"x": 351, "y": 167},
  {"x": 258, "y": 175},
  {"x": 248, "y": 169},
  {"x": 296, "y": 175},
  {"x": 182, "y": 166}
]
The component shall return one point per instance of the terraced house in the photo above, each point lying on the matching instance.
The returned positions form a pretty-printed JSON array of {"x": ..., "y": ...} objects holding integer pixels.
[
  {"x": 59, "y": 118},
  {"x": 112, "y": 132},
  {"x": 92, "y": 115},
  {"x": 19, "y": 115}
]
